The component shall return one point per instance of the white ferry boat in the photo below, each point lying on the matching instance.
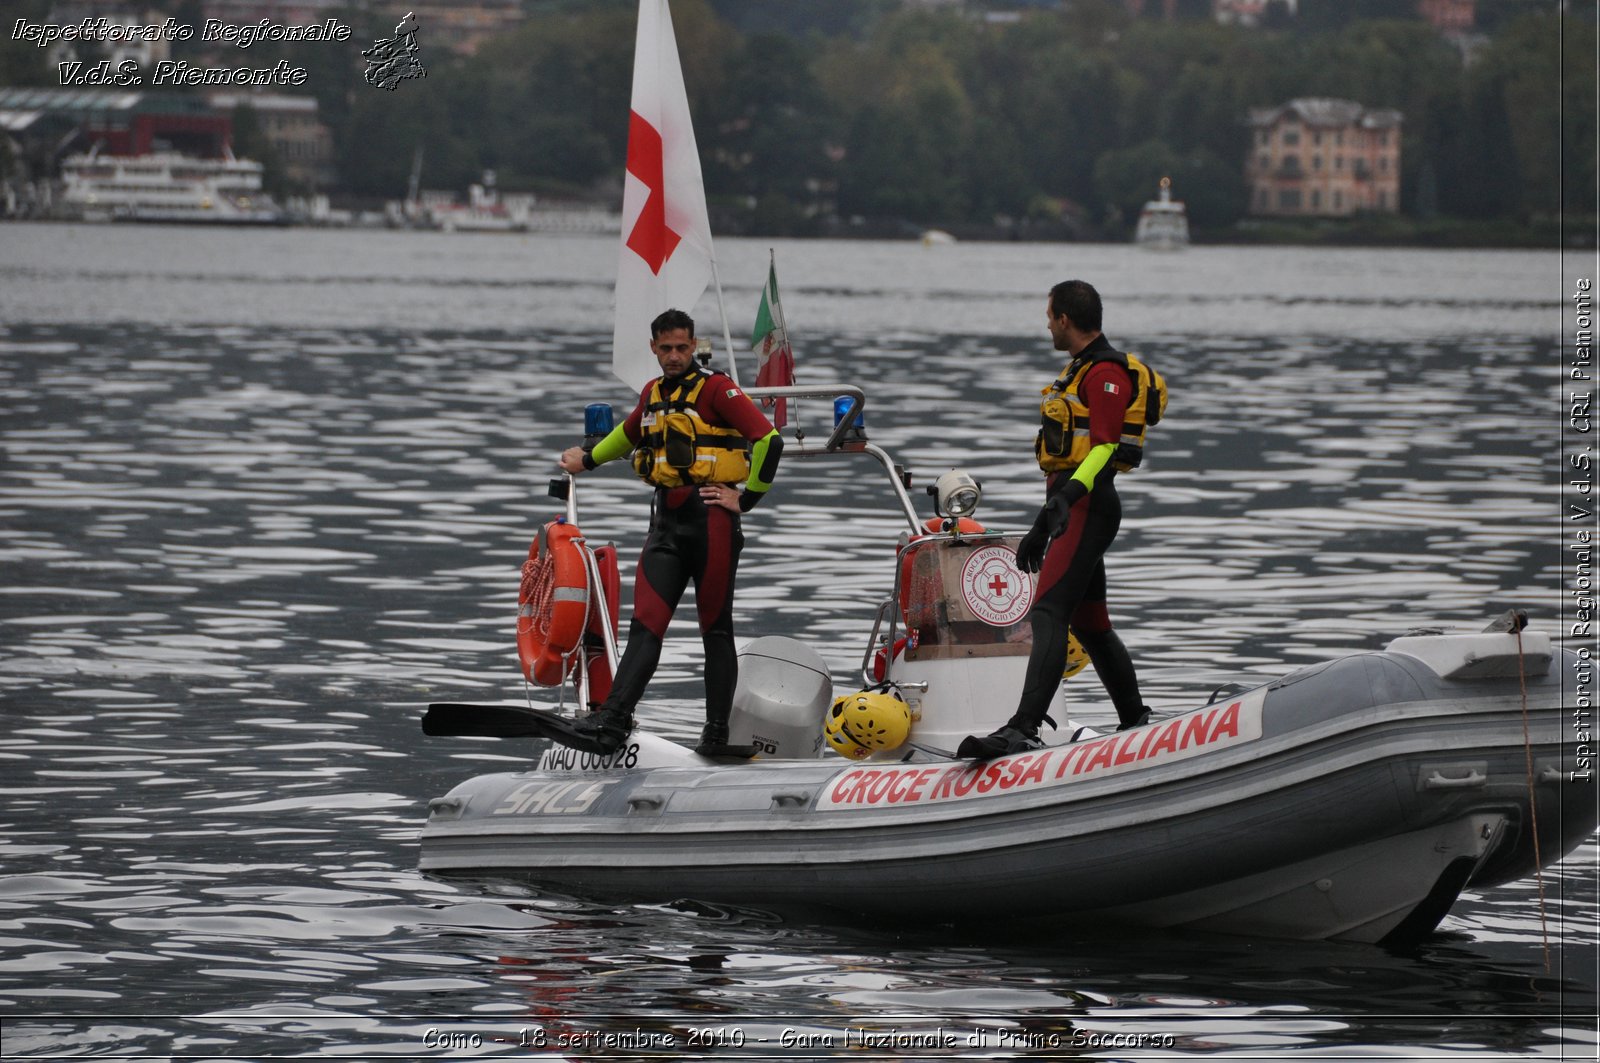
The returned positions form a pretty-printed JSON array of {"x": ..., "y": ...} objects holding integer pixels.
[
  {"x": 489, "y": 210},
  {"x": 1163, "y": 223},
  {"x": 486, "y": 210},
  {"x": 166, "y": 187}
]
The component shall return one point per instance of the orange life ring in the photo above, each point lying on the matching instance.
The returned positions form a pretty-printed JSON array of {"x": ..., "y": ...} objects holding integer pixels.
[
  {"x": 964, "y": 525},
  {"x": 552, "y": 603}
]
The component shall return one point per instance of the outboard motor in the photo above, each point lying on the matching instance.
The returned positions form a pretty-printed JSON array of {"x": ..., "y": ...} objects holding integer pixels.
[{"x": 781, "y": 699}]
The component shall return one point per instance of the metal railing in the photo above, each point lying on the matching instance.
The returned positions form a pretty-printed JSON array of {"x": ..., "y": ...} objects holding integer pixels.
[{"x": 842, "y": 440}]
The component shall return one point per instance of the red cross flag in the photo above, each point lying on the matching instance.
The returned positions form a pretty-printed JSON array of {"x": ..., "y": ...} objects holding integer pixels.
[{"x": 665, "y": 260}]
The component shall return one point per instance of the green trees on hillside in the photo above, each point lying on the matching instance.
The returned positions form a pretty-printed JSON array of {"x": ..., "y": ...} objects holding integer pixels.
[
  {"x": 945, "y": 118},
  {"x": 941, "y": 116}
]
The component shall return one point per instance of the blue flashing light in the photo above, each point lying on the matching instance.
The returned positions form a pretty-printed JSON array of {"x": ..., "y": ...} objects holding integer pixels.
[{"x": 598, "y": 420}]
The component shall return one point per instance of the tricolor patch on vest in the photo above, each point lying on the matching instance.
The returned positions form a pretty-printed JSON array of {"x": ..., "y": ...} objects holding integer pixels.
[
  {"x": 733, "y": 393},
  {"x": 1113, "y": 388}
]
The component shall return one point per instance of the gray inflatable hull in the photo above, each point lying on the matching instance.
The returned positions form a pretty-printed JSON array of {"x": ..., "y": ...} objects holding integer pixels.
[{"x": 1350, "y": 800}]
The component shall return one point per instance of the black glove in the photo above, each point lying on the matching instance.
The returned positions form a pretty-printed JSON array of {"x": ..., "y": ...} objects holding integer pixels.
[
  {"x": 1058, "y": 507},
  {"x": 1030, "y": 551}
]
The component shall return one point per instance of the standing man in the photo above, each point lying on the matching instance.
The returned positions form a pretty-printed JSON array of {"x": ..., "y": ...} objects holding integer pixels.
[
  {"x": 698, "y": 440},
  {"x": 1092, "y": 425}
]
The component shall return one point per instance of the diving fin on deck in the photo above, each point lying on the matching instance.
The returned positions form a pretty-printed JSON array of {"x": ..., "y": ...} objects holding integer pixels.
[
  {"x": 586, "y": 735},
  {"x": 517, "y": 721},
  {"x": 1002, "y": 743},
  {"x": 974, "y": 747},
  {"x": 480, "y": 721},
  {"x": 724, "y": 751},
  {"x": 714, "y": 743}
]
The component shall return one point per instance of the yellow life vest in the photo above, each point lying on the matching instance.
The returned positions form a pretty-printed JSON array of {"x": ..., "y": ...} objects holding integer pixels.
[
  {"x": 1063, "y": 440},
  {"x": 679, "y": 447}
]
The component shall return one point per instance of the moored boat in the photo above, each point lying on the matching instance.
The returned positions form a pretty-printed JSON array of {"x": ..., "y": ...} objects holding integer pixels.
[
  {"x": 486, "y": 209},
  {"x": 166, "y": 187},
  {"x": 1352, "y": 799},
  {"x": 1163, "y": 222}
]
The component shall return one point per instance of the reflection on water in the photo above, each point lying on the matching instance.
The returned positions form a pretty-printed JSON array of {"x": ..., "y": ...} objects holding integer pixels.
[{"x": 240, "y": 558}]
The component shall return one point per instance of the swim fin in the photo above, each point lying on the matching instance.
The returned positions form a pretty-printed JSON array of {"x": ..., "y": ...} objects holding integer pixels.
[
  {"x": 588, "y": 735},
  {"x": 714, "y": 743},
  {"x": 1002, "y": 743},
  {"x": 723, "y": 750}
]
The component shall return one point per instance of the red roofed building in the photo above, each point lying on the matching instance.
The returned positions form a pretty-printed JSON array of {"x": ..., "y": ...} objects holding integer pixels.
[
  {"x": 1324, "y": 158},
  {"x": 1248, "y": 12},
  {"x": 1449, "y": 16}
]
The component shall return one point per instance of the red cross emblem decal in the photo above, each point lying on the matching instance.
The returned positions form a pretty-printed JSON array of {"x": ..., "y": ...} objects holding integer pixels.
[{"x": 992, "y": 588}]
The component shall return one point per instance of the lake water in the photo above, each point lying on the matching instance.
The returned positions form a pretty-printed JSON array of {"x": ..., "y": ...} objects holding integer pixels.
[{"x": 265, "y": 495}]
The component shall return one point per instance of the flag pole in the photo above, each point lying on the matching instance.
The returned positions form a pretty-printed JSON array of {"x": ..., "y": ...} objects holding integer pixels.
[
  {"x": 783, "y": 329},
  {"x": 727, "y": 337},
  {"x": 772, "y": 271}
]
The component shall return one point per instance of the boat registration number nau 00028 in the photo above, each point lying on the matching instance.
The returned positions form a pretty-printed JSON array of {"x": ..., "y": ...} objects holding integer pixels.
[{"x": 1190, "y": 735}]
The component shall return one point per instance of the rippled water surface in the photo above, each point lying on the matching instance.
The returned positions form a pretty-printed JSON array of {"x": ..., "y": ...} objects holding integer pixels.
[{"x": 264, "y": 496}]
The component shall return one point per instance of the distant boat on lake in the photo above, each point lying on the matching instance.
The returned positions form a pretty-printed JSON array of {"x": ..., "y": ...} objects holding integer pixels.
[
  {"x": 1163, "y": 223},
  {"x": 489, "y": 210},
  {"x": 166, "y": 187}
]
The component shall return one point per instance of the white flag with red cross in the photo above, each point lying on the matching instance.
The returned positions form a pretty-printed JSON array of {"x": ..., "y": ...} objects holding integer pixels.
[{"x": 665, "y": 259}]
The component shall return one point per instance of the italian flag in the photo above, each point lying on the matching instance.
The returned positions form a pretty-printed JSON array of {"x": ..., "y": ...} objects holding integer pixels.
[{"x": 770, "y": 341}]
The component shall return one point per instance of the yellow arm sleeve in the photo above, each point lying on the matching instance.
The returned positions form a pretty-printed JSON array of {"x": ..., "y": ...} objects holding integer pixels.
[
  {"x": 763, "y": 469},
  {"x": 1097, "y": 460},
  {"x": 612, "y": 447}
]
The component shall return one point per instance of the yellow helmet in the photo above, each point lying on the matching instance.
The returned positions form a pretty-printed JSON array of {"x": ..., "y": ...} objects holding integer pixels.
[
  {"x": 865, "y": 722},
  {"x": 1077, "y": 657}
]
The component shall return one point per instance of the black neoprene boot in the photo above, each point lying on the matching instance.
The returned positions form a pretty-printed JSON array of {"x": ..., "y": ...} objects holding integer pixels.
[
  {"x": 606, "y": 729},
  {"x": 713, "y": 739},
  {"x": 1115, "y": 668},
  {"x": 1017, "y": 736},
  {"x": 1138, "y": 721},
  {"x": 714, "y": 743}
]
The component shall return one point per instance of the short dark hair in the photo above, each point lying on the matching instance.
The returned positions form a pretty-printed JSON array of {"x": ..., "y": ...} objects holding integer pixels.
[
  {"x": 668, "y": 320},
  {"x": 1079, "y": 302}
]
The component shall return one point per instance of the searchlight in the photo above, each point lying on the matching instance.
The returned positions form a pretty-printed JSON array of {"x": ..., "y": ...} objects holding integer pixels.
[{"x": 956, "y": 494}]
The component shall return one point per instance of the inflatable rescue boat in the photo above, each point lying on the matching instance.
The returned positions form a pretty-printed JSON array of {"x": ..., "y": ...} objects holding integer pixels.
[{"x": 1352, "y": 799}]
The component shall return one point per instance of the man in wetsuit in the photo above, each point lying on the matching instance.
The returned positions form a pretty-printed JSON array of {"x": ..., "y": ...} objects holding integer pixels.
[
  {"x": 711, "y": 455},
  {"x": 1078, "y": 521}
]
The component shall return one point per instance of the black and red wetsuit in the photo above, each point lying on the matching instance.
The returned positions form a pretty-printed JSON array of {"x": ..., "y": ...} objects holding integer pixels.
[
  {"x": 690, "y": 540},
  {"x": 1070, "y": 590}
]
